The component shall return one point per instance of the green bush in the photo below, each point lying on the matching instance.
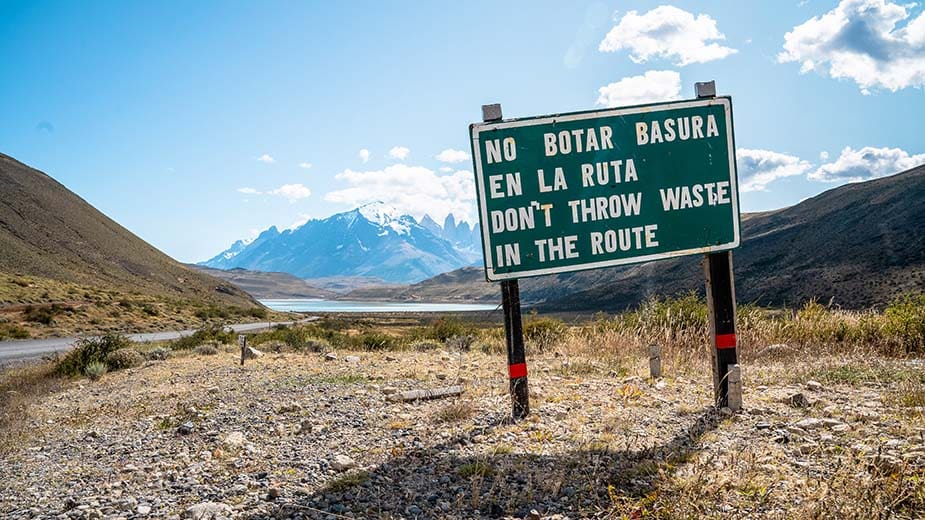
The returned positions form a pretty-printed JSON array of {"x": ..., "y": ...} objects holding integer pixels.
[
  {"x": 90, "y": 350},
  {"x": 424, "y": 345},
  {"x": 216, "y": 334},
  {"x": 905, "y": 322},
  {"x": 95, "y": 370},
  {"x": 43, "y": 315},
  {"x": 158, "y": 354},
  {"x": 124, "y": 358},
  {"x": 544, "y": 332},
  {"x": 206, "y": 350},
  {"x": 445, "y": 328},
  {"x": 377, "y": 341},
  {"x": 13, "y": 332}
]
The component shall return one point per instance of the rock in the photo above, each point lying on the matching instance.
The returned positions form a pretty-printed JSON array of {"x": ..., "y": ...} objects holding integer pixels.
[
  {"x": 798, "y": 400},
  {"x": 208, "y": 511},
  {"x": 273, "y": 493},
  {"x": 661, "y": 385},
  {"x": 389, "y": 390},
  {"x": 233, "y": 440},
  {"x": 143, "y": 509},
  {"x": 185, "y": 428},
  {"x": 330, "y": 356},
  {"x": 305, "y": 427},
  {"x": 841, "y": 428},
  {"x": 815, "y": 386},
  {"x": 763, "y": 426},
  {"x": 342, "y": 463},
  {"x": 809, "y": 423},
  {"x": 354, "y": 360},
  {"x": 414, "y": 510},
  {"x": 533, "y": 515},
  {"x": 252, "y": 353}
]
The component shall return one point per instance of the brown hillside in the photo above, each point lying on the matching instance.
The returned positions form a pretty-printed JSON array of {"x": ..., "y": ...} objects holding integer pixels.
[{"x": 49, "y": 233}]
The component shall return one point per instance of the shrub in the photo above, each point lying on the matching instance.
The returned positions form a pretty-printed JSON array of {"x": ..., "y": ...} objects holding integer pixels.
[
  {"x": 317, "y": 345},
  {"x": 206, "y": 350},
  {"x": 544, "y": 332},
  {"x": 124, "y": 358},
  {"x": 444, "y": 328},
  {"x": 43, "y": 315},
  {"x": 13, "y": 331},
  {"x": 216, "y": 334},
  {"x": 158, "y": 354},
  {"x": 95, "y": 370},
  {"x": 377, "y": 341},
  {"x": 460, "y": 343},
  {"x": 905, "y": 322},
  {"x": 90, "y": 350},
  {"x": 424, "y": 345}
]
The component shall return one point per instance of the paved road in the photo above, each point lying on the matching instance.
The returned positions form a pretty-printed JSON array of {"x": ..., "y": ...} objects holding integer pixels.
[{"x": 31, "y": 348}]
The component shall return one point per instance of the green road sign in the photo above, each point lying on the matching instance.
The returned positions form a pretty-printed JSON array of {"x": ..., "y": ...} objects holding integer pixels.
[{"x": 585, "y": 190}]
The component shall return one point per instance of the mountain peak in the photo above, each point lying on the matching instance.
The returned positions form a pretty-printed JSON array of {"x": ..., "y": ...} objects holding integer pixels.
[{"x": 379, "y": 213}]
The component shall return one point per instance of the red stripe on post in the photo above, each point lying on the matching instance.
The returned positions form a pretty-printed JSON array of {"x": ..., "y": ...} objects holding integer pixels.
[
  {"x": 518, "y": 370},
  {"x": 725, "y": 341}
]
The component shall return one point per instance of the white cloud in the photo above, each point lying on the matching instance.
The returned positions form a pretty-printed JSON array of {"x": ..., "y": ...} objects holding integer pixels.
[
  {"x": 305, "y": 165},
  {"x": 265, "y": 158},
  {"x": 292, "y": 192},
  {"x": 399, "y": 152},
  {"x": 654, "y": 85},
  {"x": 413, "y": 189},
  {"x": 861, "y": 40},
  {"x": 452, "y": 156},
  {"x": 867, "y": 163},
  {"x": 667, "y": 32},
  {"x": 446, "y": 169},
  {"x": 823, "y": 156},
  {"x": 758, "y": 168},
  {"x": 364, "y": 155}
]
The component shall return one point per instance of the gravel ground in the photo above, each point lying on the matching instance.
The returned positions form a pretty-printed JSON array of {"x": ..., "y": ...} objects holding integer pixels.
[{"x": 303, "y": 436}]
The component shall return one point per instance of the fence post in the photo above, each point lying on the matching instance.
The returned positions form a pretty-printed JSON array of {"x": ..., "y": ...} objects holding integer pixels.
[
  {"x": 655, "y": 361},
  {"x": 721, "y": 305},
  {"x": 513, "y": 325},
  {"x": 242, "y": 340}
]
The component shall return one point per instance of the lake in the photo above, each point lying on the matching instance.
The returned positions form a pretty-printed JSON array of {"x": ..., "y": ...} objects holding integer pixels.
[{"x": 306, "y": 305}]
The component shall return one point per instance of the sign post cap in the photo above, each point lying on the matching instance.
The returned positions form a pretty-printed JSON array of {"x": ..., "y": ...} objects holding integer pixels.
[{"x": 491, "y": 112}]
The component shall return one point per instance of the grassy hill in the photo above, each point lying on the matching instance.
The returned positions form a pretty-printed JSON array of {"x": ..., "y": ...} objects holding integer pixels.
[
  {"x": 66, "y": 267},
  {"x": 267, "y": 285},
  {"x": 859, "y": 245}
]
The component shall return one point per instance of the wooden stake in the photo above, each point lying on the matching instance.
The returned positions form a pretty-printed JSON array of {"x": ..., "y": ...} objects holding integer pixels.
[
  {"x": 513, "y": 325},
  {"x": 655, "y": 361},
  {"x": 721, "y": 305},
  {"x": 242, "y": 340}
]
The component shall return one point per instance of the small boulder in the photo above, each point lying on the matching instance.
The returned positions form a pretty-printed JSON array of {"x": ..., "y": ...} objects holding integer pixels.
[
  {"x": 798, "y": 400},
  {"x": 208, "y": 511},
  {"x": 330, "y": 356},
  {"x": 186, "y": 428},
  {"x": 343, "y": 463},
  {"x": 815, "y": 386},
  {"x": 252, "y": 353},
  {"x": 353, "y": 360},
  {"x": 233, "y": 440}
]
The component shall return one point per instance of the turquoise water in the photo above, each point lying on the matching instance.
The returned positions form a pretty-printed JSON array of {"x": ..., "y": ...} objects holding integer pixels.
[{"x": 349, "y": 306}]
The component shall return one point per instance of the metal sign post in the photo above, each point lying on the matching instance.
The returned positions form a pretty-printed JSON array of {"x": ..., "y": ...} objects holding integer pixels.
[
  {"x": 513, "y": 326},
  {"x": 721, "y": 306}
]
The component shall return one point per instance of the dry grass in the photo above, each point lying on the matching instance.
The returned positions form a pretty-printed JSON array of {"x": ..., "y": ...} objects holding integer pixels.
[{"x": 19, "y": 389}]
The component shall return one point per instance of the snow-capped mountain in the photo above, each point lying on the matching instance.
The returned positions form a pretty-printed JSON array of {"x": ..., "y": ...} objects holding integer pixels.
[{"x": 373, "y": 240}]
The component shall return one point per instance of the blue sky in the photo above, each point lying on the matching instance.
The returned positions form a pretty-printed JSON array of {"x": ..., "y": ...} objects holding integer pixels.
[{"x": 197, "y": 123}]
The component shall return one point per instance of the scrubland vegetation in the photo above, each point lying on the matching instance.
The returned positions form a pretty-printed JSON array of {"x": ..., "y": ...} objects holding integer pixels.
[{"x": 601, "y": 432}]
